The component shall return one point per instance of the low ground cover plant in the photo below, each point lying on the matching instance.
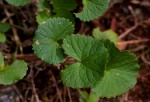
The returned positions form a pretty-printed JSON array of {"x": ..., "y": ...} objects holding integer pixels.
[{"x": 99, "y": 64}]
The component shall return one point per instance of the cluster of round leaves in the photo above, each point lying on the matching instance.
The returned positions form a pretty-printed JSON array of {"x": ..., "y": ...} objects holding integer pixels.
[
  {"x": 10, "y": 74},
  {"x": 92, "y": 9},
  {"x": 100, "y": 65}
]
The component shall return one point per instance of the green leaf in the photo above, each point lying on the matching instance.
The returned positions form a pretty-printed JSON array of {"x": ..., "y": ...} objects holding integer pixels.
[
  {"x": 120, "y": 73},
  {"x": 109, "y": 72},
  {"x": 4, "y": 27},
  {"x": 42, "y": 4},
  {"x": 63, "y": 8},
  {"x": 13, "y": 73},
  {"x": 2, "y": 38},
  {"x": 64, "y": 13},
  {"x": 85, "y": 97},
  {"x": 45, "y": 43},
  {"x": 18, "y": 2},
  {"x": 64, "y": 4},
  {"x": 108, "y": 34},
  {"x": 42, "y": 16},
  {"x": 92, "y": 9},
  {"x": 1, "y": 60},
  {"x": 93, "y": 98},
  {"x": 91, "y": 56}
]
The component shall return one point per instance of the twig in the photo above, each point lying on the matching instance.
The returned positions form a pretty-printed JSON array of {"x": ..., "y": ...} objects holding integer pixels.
[
  {"x": 34, "y": 91},
  {"x": 138, "y": 48},
  {"x": 144, "y": 53},
  {"x": 19, "y": 94},
  {"x": 22, "y": 56},
  {"x": 64, "y": 99},
  {"x": 26, "y": 94},
  {"x": 133, "y": 42},
  {"x": 145, "y": 60},
  {"x": 81, "y": 28},
  {"x": 141, "y": 3},
  {"x": 18, "y": 42},
  {"x": 34, "y": 88},
  {"x": 68, "y": 90},
  {"x": 124, "y": 34},
  {"x": 5, "y": 19},
  {"x": 133, "y": 27},
  {"x": 57, "y": 89}
]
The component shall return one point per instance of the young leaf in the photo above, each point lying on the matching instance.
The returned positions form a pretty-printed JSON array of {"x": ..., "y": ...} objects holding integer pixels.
[
  {"x": 85, "y": 97},
  {"x": 64, "y": 4},
  {"x": 13, "y": 73},
  {"x": 42, "y": 16},
  {"x": 108, "y": 34},
  {"x": 42, "y": 4},
  {"x": 18, "y": 2},
  {"x": 4, "y": 27},
  {"x": 45, "y": 43},
  {"x": 92, "y": 9},
  {"x": 120, "y": 73},
  {"x": 91, "y": 56},
  {"x": 2, "y": 38},
  {"x": 93, "y": 98}
]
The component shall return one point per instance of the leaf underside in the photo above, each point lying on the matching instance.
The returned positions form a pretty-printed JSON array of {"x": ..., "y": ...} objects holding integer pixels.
[
  {"x": 18, "y": 2},
  {"x": 45, "y": 43},
  {"x": 92, "y": 9}
]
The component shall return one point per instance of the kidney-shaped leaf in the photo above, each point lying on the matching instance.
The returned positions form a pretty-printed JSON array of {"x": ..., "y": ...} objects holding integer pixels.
[
  {"x": 120, "y": 73},
  {"x": 18, "y": 2},
  {"x": 91, "y": 56},
  {"x": 13, "y": 73},
  {"x": 45, "y": 43},
  {"x": 92, "y": 9}
]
